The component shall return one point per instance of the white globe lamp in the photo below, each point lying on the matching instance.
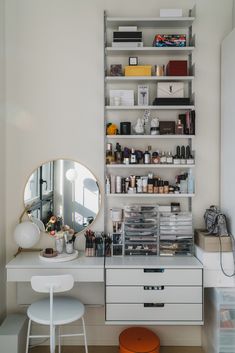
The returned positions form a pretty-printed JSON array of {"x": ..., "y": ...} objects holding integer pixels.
[{"x": 26, "y": 234}]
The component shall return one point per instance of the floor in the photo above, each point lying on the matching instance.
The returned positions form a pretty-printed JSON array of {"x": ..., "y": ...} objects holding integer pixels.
[{"x": 114, "y": 349}]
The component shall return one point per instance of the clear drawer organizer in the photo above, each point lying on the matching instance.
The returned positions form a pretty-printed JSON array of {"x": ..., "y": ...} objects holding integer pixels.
[
  {"x": 176, "y": 233},
  {"x": 141, "y": 225}
]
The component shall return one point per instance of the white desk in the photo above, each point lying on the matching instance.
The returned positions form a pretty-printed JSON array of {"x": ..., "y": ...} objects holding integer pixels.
[{"x": 83, "y": 269}]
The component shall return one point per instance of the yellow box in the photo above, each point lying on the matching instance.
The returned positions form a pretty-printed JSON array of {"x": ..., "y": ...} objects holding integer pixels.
[{"x": 138, "y": 70}]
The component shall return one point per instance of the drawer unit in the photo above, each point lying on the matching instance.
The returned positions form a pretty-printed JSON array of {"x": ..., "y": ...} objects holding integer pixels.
[
  {"x": 154, "y": 276},
  {"x": 153, "y": 294},
  {"x": 165, "y": 291},
  {"x": 154, "y": 312}
]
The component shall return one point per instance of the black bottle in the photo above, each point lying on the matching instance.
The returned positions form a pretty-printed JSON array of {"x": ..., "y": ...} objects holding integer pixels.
[
  {"x": 177, "y": 157},
  {"x": 182, "y": 155},
  {"x": 118, "y": 155}
]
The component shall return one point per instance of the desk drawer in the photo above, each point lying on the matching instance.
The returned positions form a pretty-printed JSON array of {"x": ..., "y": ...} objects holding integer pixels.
[
  {"x": 167, "y": 312},
  {"x": 149, "y": 294},
  {"x": 154, "y": 276}
]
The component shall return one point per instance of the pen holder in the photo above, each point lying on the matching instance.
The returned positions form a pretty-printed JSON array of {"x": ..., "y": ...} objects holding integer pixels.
[{"x": 69, "y": 247}]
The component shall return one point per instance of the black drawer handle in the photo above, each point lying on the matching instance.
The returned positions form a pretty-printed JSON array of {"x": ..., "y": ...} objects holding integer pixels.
[
  {"x": 154, "y": 305},
  {"x": 153, "y": 270},
  {"x": 154, "y": 287}
]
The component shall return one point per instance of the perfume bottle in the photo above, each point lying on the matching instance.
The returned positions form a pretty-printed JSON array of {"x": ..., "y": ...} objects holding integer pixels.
[
  {"x": 177, "y": 158},
  {"x": 118, "y": 155},
  {"x": 163, "y": 158},
  {"x": 155, "y": 158},
  {"x": 169, "y": 158},
  {"x": 182, "y": 155},
  {"x": 109, "y": 154},
  {"x": 179, "y": 128},
  {"x": 133, "y": 157},
  {"x": 147, "y": 157}
]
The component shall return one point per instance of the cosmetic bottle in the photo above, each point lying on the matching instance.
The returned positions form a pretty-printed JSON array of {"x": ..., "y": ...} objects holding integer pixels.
[
  {"x": 127, "y": 184},
  {"x": 177, "y": 159},
  {"x": 189, "y": 157},
  {"x": 146, "y": 157},
  {"x": 107, "y": 186},
  {"x": 163, "y": 158},
  {"x": 155, "y": 186},
  {"x": 179, "y": 128},
  {"x": 109, "y": 154},
  {"x": 190, "y": 182},
  {"x": 169, "y": 158},
  {"x": 123, "y": 186},
  {"x": 113, "y": 184},
  {"x": 139, "y": 184},
  {"x": 132, "y": 181},
  {"x": 155, "y": 158},
  {"x": 133, "y": 157},
  {"x": 118, "y": 155},
  {"x": 183, "y": 185},
  {"x": 160, "y": 187},
  {"x": 150, "y": 186},
  {"x": 182, "y": 155},
  {"x": 118, "y": 184},
  {"x": 166, "y": 187},
  {"x": 171, "y": 189},
  {"x": 145, "y": 184}
]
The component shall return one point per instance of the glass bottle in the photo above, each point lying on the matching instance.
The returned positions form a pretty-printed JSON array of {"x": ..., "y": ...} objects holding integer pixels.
[
  {"x": 118, "y": 155},
  {"x": 177, "y": 159},
  {"x": 179, "y": 128},
  {"x": 147, "y": 158},
  {"x": 182, "y": 155},
  {"x": 163, "y": 158},
  {"x": 169, "y": 158},
  {"x": 133, "y": 157},
  {"x": 109, "y": 154}
]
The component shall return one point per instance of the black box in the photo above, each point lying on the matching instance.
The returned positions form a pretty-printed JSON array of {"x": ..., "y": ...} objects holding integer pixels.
[
  {"x": 171, "y": 101},
  {"x": 167, "y": 127}
]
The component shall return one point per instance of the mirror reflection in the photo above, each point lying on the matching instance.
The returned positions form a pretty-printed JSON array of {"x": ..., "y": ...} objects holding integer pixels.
[{"x": 66, "y": 189}]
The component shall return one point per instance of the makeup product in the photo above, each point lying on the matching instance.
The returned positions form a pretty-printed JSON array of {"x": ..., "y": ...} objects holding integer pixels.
[
  {"x": 159, "y": 70},
  {"x": 155, "y": 158},
  {"x": 126, "y": 160},
  {"x": 169, "y": 158},
  {"x": 160, "y": 187},
  {"x": 109, "y": 154},
  {"x": 133, "y": 157},
  {"x": 182, "y": 155},
  {"x": 49, "y": 251},
  {"x": 155, "y": 186},
  {"x": 150, "y": 186},
  {"x": 190, "y": 182},
  {"x": 145, "y": 184},
  {"x": 127, "y": 183},
  {"x": 163, "y": 158},
  {"x": 118, "y": 155},
  {"x": 183, "y": 185},
  {"x": 123, "y": 186},
  {"x": 171, "y": 189},
  {"x": 131, "y": 190},
  {"x": 177, "y": 159},
  {"x": 150, "y": 175},
  {"x": 166, "y": 187},
  {"x": 139, "y": 184},
  {"x": 132, "y": 181},
  {"x": 113, "y": 184},
  {"x": 146, "y": 157},
  {"x": 107, "y": 186},
  {"x": 179, "y": 128},
  {"x": 118, "y": 184},
  {"x": 189, "y": 157}
]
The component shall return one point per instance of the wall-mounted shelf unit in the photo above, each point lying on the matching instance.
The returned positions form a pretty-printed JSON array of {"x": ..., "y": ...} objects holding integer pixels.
[
  {"x": 149, "y": 137},
  {"x": 150, "y": 166},
  {"x": 151, "y": 107},
  {"x": 149, "y": 78}
]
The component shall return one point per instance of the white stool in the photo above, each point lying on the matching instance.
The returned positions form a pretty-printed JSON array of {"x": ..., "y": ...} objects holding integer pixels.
[{"x": 55, "y": 311}]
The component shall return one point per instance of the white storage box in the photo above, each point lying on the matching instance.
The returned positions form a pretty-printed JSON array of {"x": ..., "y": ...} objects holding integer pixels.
[
  {"x": 121, "y": 97},
  {"x": 170, "y": 90},
  {"x": 171, "y": 12},
  {"x": 211, "y": 260}
]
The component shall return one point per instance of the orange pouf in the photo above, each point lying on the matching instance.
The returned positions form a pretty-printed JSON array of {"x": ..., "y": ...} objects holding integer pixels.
[{"x": 138, "y": 339}]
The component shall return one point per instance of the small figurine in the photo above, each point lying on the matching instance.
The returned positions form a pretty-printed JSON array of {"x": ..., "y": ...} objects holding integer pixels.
[
  {"x": 154, "y": 130},
  {"x": 111, "y": 129},
  {"x": 139, "y": 127}
]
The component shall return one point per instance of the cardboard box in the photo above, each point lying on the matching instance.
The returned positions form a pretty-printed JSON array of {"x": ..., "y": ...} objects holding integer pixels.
[
  {"x": 211, "y": 243},
  {"x": 138, "y": 70}
]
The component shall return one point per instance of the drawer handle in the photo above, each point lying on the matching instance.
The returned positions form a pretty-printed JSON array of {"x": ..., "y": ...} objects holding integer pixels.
[
  {"x": 154, "y": 287},
  {"x": 153, "y": 270},
  {"x": 154, "y": 305}
]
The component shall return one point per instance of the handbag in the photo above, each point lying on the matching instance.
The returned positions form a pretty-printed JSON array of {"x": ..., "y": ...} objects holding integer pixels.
[{"x": 216, "y": 222}]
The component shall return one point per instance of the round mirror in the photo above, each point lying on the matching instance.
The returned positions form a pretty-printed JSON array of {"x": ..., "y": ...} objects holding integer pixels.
[{"x": 65, "y": 189}]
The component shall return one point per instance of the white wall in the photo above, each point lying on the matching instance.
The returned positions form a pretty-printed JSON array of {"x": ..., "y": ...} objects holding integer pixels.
[
  {"x": 55, "y": 105},
  {"x": 2, "y": 164}
]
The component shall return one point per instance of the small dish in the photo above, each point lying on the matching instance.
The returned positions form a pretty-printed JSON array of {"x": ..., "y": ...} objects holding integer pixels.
[{"x": 54, "y": 254}]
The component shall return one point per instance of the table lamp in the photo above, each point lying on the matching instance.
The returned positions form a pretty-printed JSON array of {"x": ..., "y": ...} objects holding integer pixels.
[{"x": 27, "y": 233}]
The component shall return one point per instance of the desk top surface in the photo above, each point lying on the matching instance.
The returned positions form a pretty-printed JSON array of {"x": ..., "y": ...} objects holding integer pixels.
[{"x": 31, "y": 260}]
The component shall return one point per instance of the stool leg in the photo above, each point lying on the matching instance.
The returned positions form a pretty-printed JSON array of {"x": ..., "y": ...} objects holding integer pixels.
[
  {"x": 27, "y": 340},
  {"x": 84, "y": 333}
]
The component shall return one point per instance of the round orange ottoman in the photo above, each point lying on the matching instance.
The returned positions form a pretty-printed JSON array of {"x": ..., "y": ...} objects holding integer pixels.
[{"x": 138, "y": 340}]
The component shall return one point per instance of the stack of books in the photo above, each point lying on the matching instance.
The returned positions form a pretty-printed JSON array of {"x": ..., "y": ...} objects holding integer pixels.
[{"x": 127, "y": 36}]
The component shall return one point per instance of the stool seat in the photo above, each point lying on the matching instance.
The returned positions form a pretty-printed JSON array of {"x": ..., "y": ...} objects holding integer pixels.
[
  {"x": 65, "y": 310},
  {"x": 139, "y": 339}
]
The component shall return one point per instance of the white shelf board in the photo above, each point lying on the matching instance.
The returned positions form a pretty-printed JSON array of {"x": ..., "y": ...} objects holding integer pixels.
[
  {"x": 150, "y": 107},
  {"x": 149, "y": 166},
  {"x": 152, "y": 195},
  {"x": 150, "y": 50},
  {"x": 151, "y": 22},
  {"x": 147, "y": 137},
  {"x": 149, "y": 78}
]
